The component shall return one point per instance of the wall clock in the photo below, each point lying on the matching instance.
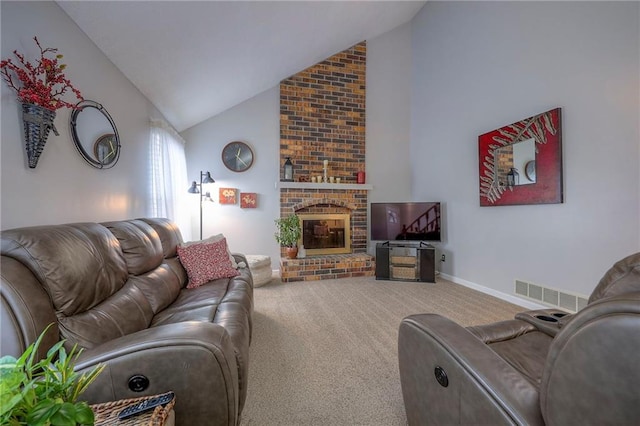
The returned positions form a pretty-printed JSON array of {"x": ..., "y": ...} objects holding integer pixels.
[{"x": 237, "y": 156}]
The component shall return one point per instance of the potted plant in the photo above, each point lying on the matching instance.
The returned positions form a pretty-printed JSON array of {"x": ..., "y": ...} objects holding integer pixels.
[
  {"x": 288, "y": 234},
  {"x": 44, "y": 392}
]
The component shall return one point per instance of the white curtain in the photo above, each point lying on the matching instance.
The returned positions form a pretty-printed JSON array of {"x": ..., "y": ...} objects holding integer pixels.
[{"x": 169, "y": 180}]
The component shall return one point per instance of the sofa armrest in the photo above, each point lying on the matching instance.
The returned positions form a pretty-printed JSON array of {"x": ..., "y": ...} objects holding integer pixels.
[
  {"x": 195, "y": 360},
  {"x": 481, "y": 385}
]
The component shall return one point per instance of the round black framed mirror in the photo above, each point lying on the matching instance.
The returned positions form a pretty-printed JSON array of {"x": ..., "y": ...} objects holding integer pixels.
[{"x": 95, "y": 135}]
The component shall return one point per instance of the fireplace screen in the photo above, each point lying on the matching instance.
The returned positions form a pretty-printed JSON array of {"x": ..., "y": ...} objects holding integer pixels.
[{"x": 325, "y": 233}]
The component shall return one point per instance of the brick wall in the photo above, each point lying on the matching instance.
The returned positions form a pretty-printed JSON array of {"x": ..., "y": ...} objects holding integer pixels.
[{"x": 322, "y": 116}]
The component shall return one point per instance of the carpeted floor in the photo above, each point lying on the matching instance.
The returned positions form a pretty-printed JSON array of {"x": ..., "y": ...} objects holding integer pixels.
[{"x": 325, "y": 352}]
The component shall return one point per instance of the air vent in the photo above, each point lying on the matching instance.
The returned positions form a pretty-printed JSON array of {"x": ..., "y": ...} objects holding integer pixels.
[
  {"x": 582, "y": 303},
  {"x": 522, "y": 288},
  {"x": 535, "y": 292},
  {"x": 550, "y": 296}
]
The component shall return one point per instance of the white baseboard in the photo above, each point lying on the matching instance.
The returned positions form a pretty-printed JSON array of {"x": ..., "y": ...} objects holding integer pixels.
[{"x": 500, "y": 295}]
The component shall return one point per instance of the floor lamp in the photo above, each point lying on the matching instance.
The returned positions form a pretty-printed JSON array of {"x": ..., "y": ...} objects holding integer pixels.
[{"x": 197, "y": 189}]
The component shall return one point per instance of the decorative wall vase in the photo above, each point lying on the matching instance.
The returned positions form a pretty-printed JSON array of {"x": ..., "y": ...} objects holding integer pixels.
[{"x": 38, "y": 121}]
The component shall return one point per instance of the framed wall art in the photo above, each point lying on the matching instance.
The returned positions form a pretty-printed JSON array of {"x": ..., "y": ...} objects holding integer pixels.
[
  {"x": 228, "y": 196},
  {"x": 248, "y": 200},
  {"x": 522, "y": 163}
]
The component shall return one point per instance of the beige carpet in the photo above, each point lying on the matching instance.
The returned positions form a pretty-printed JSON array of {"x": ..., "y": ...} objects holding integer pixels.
[{"x": 325, "y": 352}]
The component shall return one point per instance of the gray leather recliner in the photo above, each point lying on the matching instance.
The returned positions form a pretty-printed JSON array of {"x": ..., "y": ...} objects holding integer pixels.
[{"x": 581, "y": 369}]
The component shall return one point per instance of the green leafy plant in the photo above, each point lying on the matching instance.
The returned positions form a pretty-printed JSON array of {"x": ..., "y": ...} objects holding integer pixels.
[
  {"x": 44, "y": 392},
  {"x": 289, "y": 231}
]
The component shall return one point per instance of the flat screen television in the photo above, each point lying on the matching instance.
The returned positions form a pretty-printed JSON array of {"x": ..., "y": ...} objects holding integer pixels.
[{"x": 418, "y": 221}]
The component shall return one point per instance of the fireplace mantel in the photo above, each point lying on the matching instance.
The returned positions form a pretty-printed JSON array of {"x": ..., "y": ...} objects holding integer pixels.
[{"x": 312, "y": 185}]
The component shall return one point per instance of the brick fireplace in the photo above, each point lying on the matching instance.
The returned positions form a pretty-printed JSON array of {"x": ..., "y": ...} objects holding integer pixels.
[{"x": 322, "y": 118}]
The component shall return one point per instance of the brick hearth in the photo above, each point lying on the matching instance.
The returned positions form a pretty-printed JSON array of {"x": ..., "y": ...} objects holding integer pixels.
[{"x": 327, "y": 267}]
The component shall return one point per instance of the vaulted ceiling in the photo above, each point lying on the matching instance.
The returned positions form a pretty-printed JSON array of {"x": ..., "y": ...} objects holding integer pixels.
[{"x": 195, "y": 59}]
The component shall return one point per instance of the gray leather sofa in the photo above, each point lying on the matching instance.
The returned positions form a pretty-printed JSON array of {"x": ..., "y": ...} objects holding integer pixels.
[
  {"x": 544, "y": 367},
  {"x": 117, "y": 290}
]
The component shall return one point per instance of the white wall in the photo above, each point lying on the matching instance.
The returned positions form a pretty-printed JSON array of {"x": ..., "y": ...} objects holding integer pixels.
[
  {"x": 388, "y": 116},
  {"x": 63, "y": 187},
  {"x": 478, "y": 66},
  {"x": 256, "y": 122}
]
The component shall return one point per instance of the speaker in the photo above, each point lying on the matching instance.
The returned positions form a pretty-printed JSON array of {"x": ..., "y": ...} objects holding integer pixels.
[{"x": 382, "y": 261}]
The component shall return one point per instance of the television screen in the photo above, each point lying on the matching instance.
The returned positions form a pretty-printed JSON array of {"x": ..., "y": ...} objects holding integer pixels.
[{"x": 405, "y": 221}]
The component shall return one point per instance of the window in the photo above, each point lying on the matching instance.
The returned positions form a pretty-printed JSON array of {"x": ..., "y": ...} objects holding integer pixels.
[{"x": 168, "y": 180}]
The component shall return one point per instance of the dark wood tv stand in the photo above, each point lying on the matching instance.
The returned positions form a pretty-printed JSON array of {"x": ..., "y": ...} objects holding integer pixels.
[{"x": 406, "y": 262}]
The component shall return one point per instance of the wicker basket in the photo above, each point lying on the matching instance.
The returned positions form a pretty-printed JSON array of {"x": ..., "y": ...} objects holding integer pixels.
[
  {"x": 106, "y": 414},
  {"x": 403, "y": 272},
  {"x": 37, "y": 121},
  {"x": 403, "y": 260}
]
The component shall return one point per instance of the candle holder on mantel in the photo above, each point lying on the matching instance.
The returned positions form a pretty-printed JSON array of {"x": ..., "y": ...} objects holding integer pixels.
[
  {"x": 288, "y": 170},
  {"x": 326, "y": 166}
]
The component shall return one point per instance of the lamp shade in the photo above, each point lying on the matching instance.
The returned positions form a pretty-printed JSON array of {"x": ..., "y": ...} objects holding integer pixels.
[
  {"x": 208, "y": 178},
  {"x": 193, "y": 189}
]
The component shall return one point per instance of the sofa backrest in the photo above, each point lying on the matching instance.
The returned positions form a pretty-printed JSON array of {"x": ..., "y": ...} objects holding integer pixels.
[
  {"x": 170, "y": 238},
  {"x": 622, "y": 277},
  {"x": 591, "y": 373},
  {"x": 102, "y": 282},
  {"x": 144, "y": 255}
]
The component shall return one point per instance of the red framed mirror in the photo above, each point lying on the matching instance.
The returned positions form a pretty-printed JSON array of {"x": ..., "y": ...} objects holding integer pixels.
[{"x": 522, "y": 163}]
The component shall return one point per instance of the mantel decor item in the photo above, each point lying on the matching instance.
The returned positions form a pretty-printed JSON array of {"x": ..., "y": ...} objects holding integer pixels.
[
  {"x": 39, "y": 87},
  {"x": 522, "y": 163},
  {"x": 288, "y": 171},
  {"x": 196, "y": 188}
]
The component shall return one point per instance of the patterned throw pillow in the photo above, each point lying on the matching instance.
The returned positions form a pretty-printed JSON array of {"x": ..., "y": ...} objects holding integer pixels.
[
  {"x": 206, "y": 262},
  {"x": 211, "y": 239}
]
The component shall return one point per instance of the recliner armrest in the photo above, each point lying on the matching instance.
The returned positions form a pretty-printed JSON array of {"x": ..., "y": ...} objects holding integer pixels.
[
  {"x": 196, "y": 360},
  {"x": 501, "y": 331},
  {"x": 481, "y": 385},
  {"x": 550, "y": 321}
]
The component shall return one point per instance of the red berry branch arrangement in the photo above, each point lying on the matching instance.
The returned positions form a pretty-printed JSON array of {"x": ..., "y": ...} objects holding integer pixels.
[{"x": 42, "y": 83}]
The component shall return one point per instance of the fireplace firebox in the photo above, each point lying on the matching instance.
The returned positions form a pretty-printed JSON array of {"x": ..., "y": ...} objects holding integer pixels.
[{"x": 326, "y": 233}]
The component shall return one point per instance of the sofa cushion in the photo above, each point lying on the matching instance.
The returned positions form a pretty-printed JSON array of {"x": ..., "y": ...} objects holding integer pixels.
[
  {"x": 205, "y": 262},
  {"x": 160, "y": 287},
  {"x": 140, "y": 245},
  {"x": 126, "y": 312},
  {"x": 203, "y": 313},
  {"x": 66, "y": 259},
  {"x": 526, "y": 353},
  {"x": 169, "y": 233},
  {"x": 83, "y": 270}
]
